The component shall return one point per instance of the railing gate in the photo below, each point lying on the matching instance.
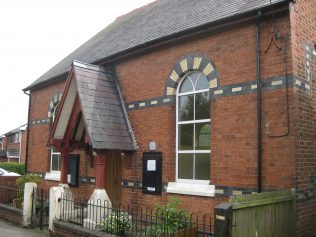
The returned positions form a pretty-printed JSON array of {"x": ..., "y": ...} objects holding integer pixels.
[{"x": 40, "y": 207}]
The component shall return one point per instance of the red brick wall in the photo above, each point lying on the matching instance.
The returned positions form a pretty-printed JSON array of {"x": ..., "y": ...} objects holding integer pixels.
[
  {"x": 39, "y": 153},
  {"x": 11, "y": 214},
  {"x": 303, "y": 22},
  {"x": 234, "y": 118}
]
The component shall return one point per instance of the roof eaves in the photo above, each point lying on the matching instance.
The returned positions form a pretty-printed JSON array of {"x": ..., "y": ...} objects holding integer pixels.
[{"x": 22, "y": 127}]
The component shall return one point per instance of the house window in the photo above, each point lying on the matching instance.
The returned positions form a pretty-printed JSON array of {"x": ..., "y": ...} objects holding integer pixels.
[
  {"x": 193, "y": 129},
  {"x": 55, "y": 157},
  {"x": 17, "y": 137},
  {"x": 11, "y": 139},
  {"x": 55, "y": 165}
]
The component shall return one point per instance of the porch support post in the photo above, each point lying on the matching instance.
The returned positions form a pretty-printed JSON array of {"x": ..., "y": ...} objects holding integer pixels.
[
  {"x": 64, "y": 166},
  {"x": 100, "y": 169}
]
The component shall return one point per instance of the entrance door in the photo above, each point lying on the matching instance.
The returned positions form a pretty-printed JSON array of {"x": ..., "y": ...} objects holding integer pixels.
[{"x": 113, "y": 175}]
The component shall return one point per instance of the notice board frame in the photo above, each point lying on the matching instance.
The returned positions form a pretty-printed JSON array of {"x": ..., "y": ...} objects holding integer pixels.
[{"x": 152, "y": 173}]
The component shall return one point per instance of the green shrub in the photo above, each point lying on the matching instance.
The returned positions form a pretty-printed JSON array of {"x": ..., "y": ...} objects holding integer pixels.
[
  {"x": 20, "y": 182},
  {"x": 13, "y": 167},
  {"x": 117, "y": 223},
  {"x": 170, "y": 218}
]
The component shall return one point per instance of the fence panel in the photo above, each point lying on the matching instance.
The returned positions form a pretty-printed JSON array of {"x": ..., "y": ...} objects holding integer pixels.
[
  {"x": 10, "y": 193},
  {"x": 264, "y": 215}
]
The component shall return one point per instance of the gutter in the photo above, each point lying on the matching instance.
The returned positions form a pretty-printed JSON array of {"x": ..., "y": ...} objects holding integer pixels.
[
  {"x": 28, "y": 132},
  {"x": 20, "y": 137}
]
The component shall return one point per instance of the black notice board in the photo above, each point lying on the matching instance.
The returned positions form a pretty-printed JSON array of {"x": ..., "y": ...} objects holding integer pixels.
[
  {"x": 73, "y": 170},
  {"x": 152, "y": 173}
]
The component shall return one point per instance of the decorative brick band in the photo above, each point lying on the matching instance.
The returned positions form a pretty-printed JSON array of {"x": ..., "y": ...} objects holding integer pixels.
[
  {"x": 192, "y": 62},
  {"x": 218, "y": 92},
  {"x": 155, "y": 102},
  {"x": 87, "y": 180},
  {"x": 40, "y": 121},
  {"x": 250, "y": 87},
  {"x": 223, "y": 91}
]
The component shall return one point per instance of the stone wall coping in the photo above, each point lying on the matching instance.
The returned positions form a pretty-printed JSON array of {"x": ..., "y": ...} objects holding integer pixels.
[{"x": 11, "y": 209}]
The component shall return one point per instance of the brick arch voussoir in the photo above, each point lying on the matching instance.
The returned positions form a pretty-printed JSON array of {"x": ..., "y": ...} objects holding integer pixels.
[
  {"x": 56, "y": 98},
  {"x": 192, "y": 62}
]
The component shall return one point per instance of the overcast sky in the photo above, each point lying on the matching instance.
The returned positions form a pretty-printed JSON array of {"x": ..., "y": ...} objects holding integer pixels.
[{"x": 37, "y": 34}]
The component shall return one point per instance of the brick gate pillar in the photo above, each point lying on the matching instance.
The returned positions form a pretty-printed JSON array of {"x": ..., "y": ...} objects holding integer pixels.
[{"x": 100, "y": 169}]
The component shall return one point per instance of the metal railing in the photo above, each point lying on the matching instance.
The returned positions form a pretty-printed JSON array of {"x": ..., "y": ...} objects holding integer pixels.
[{"x": 132, "y": 220}]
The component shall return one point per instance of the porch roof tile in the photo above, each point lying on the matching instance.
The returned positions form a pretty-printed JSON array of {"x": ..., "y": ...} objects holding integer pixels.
[{"x": 102, "y": 108}]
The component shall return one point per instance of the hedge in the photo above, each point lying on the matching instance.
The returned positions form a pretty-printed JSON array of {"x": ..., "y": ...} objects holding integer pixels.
[{"x": 13, "y": 167}]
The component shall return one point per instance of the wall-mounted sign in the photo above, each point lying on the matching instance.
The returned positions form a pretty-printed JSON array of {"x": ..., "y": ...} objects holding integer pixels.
[{"x": 152, "y": 173}]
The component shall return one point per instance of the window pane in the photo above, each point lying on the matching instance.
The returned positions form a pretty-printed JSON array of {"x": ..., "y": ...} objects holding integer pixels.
[
  {"x": 186, "y": 107},
  {"x": 202, "y": 136},
  {"x": 202, "y": 166},
  {"x": 56, "y": 162},
  {"x": 185, "y": 166},
  {"x": 202, "y": 106},
  {"x": 186, "y": 86},
  {"x": 186, "y": 136},
  {"x": 202, "y": 83}
]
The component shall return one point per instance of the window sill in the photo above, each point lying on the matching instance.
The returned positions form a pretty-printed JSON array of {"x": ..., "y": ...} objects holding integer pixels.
[
  {"x": 53, "y": 176},
  {"x": 204, "y": 190}
]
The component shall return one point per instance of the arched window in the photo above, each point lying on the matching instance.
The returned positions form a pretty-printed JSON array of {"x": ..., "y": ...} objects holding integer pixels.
[
  {"x": 55, "y": 110},
  {"x": 55, "y": 156},
  {"x": 193, "y": 128}
]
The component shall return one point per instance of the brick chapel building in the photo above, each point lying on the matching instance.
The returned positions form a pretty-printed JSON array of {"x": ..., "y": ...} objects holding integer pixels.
[{"x": 217, "y": 98}]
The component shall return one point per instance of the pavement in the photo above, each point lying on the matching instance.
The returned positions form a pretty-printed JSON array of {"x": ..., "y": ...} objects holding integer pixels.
[{"x": 10, "y": 230}]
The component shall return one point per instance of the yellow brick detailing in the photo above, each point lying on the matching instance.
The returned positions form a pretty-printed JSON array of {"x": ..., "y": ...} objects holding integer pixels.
[
  {"x": 171, "y": 91},
  {"x": 196, "y": 63},
  {"x": 184, "y": 65},
  {"x": 174, "y": 76},
  {"x": 208, "y": 69},
  {"x": 212, "y": 83}
]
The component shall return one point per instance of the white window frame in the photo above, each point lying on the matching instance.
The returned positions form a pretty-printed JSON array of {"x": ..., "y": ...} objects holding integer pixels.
[
  {"x": 190, "y": 186},
  {"x": 53, "y": 174},
  {"x": 195, "y": 181}
]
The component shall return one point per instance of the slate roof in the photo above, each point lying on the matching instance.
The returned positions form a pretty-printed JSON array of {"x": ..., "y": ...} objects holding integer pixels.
[
  {"x": 154, "y": 22},
  {"x": 103, "y": 112}
]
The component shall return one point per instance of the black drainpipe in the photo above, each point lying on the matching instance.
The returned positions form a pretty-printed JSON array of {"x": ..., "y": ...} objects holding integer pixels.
[
  {"x": 28, "y": 132},
  {"x": 259, "y": 111}
]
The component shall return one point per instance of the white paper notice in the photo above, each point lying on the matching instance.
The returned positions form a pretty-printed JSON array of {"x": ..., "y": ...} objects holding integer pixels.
[{"x": 151, "y": 165}]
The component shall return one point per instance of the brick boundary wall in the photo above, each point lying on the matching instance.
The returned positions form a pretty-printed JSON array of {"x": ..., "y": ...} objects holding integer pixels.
[
  {"x": 64, "y": 229},
  {"x": 11, "y": 214}
]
